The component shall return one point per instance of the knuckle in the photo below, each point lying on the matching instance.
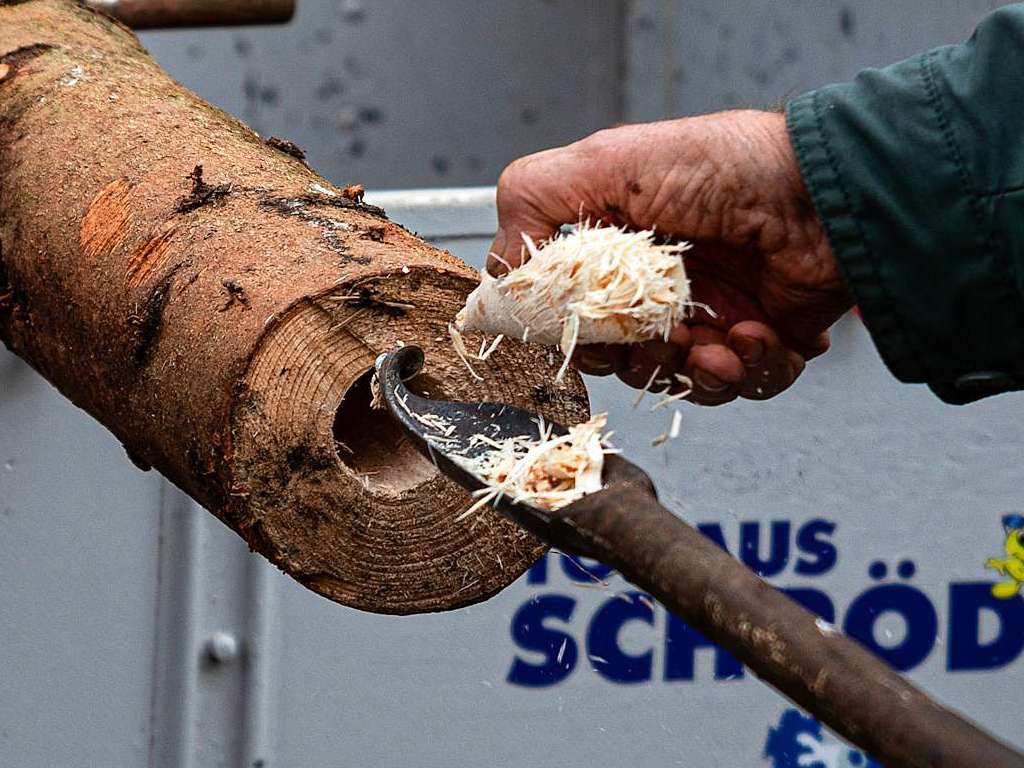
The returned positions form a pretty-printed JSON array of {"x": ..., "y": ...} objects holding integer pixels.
[
  {"x": 515, "y": 174},
  {"x": 508, "y": 180},
  {"x": 598, "y": 143}
]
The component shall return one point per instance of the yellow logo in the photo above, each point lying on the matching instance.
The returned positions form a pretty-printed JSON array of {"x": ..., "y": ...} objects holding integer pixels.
[{"x": 1011, "y": 566}]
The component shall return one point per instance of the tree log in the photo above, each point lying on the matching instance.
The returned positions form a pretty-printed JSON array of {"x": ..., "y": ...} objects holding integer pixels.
[{"x": 218, "y": 306}]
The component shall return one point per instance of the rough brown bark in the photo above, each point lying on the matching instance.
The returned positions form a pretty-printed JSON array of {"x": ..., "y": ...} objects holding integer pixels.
[{"x": 213, "y": 302}]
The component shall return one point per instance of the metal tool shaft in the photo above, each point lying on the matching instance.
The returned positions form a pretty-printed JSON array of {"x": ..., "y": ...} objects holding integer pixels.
[{"x": 832, "y": 676}]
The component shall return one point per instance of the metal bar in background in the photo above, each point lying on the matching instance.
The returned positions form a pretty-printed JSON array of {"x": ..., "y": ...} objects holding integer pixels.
[
  {"x": 461, "y": 213},
  {"x": 261, "y": 653},
  {"x": 171, "y": 14},
  {"x": 180, "y": 592}
]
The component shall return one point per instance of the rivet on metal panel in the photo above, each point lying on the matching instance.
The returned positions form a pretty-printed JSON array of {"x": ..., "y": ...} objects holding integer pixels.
[
  {"x": 352, "y": 11},
  {"x": 222, "y": 648}
]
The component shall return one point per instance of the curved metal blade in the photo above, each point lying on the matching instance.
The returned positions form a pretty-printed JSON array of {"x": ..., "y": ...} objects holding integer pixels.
[{"x": 443, "y": 432}]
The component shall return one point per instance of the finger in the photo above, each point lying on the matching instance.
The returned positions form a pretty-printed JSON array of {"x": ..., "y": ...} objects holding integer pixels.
[
  {"x": 498, "y": 263},
  {"x": 754, "y": 342},
  {"x": 661, "y": 354},
  {"x": 651, "y": 365},
  {"x": 503, "y": 257},
  {"x": 535, "y": 196},
  {"x": 716, "y": 372},
  {"x": 817, "y": 347},
  {"x": 768, "y": 369},
  {"x": 600, "y": 359},
  {"x": 797, "y": 364},
  {"x": 645, "y": 375},
  {"x": 682, "y": 337},
  {"x": 702, "y": 334}
]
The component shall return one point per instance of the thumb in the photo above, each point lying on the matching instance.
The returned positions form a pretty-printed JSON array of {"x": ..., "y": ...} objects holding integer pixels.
[
  {"x": 536, "y": 194},
  {"x": 508, "y": 250},
  {"x": 498, "y": 262}
]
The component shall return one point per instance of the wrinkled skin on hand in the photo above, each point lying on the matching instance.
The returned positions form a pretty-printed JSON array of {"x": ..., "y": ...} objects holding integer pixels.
[{"x": 730, "y": 184}]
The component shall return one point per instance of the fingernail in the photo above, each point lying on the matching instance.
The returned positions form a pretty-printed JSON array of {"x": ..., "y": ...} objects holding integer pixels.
[
  {"x": 708, "y": 383},
  {"x": 751, "y": 350},
  {"x": 496, "y": 256},
  {"x": 661, "y": 352},
  {"x": 595, "y": 362}
]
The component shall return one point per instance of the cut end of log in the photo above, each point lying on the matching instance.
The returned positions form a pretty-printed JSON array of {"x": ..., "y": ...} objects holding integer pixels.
[
  {"x": 218, "y": 306},
  {"x": 362, "y": 517}
]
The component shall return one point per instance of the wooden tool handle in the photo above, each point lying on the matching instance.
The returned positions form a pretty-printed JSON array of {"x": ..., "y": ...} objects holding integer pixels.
[
  {"x": 831, "y": 676},
  {"x": 169, "y": 14}
]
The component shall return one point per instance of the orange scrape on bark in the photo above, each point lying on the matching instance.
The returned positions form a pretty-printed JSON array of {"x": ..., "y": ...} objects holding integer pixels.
[
  {"x": 149, "y": 257},
  {"x": 106, "y": 222}
]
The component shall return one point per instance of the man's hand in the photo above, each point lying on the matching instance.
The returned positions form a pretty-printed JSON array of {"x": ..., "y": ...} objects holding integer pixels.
[{"x": 730, "y": 184}]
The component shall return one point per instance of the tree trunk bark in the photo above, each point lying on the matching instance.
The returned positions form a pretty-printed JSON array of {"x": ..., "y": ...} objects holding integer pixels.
[{"x": 217, "y": 306}]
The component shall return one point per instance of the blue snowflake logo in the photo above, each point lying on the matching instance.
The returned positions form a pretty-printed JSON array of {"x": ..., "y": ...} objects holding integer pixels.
[{"x": 799, "y": 741}]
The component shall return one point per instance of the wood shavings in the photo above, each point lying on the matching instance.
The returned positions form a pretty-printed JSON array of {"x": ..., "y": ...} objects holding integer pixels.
[
  {"x": 570, "y": 338},
  {"x": 376, "y": 395},
  {"x": 669, "y": 399},
  {"x": 547, "y": 472},
  {"x": 673, "y": 430},
  {"x": 459, "y": 342},
  {"x": 677, "y": 421},
  {"x": 460, "y": 350},
  {"x": 432, "y": 421},
  {"x": 826, "y": 628},
  {"x": 647, "y": 387},
  {"x": 322, "y": 190},
  {"x": 485, "y": 353},
  {"x": 596, "y": 284}
]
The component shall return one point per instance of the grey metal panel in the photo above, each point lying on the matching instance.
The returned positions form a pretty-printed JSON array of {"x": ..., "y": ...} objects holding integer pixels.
[
  {"x": 403, "y": 94},
  {"x": 78, "y": 553},
  {"x": 690, "y": 56},
  {"x": 113, "y": 586},
  {"x": 214, "y": 693}
]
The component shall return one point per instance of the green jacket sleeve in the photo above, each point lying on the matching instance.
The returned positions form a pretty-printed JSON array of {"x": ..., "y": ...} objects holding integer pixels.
[{"x": 917, "y": 171}]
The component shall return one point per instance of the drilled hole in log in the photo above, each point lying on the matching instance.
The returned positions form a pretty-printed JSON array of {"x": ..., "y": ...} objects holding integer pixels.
[{"x": 373, "y": 446}]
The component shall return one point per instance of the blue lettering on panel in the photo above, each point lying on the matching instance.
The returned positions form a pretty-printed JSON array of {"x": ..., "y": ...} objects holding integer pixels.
[
  {"x": 778, "y": 548},
  {"x": 819, "y": 553},
  {"x": 530, "y": 634},
  {"x": 918, "y": 614},
  {"x": 967, "y": 601},
  {"x": 603, "y": 648}
]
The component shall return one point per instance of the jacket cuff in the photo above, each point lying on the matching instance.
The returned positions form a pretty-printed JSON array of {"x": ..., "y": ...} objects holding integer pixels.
[
  {"x": 821, "y": 168},
  {"x": 902, "y": 178}
]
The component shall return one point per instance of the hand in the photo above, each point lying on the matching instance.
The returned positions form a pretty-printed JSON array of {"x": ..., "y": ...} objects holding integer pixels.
[
  {"x": 996, "y": 565},
  {"x": 730, "y": 184}
]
